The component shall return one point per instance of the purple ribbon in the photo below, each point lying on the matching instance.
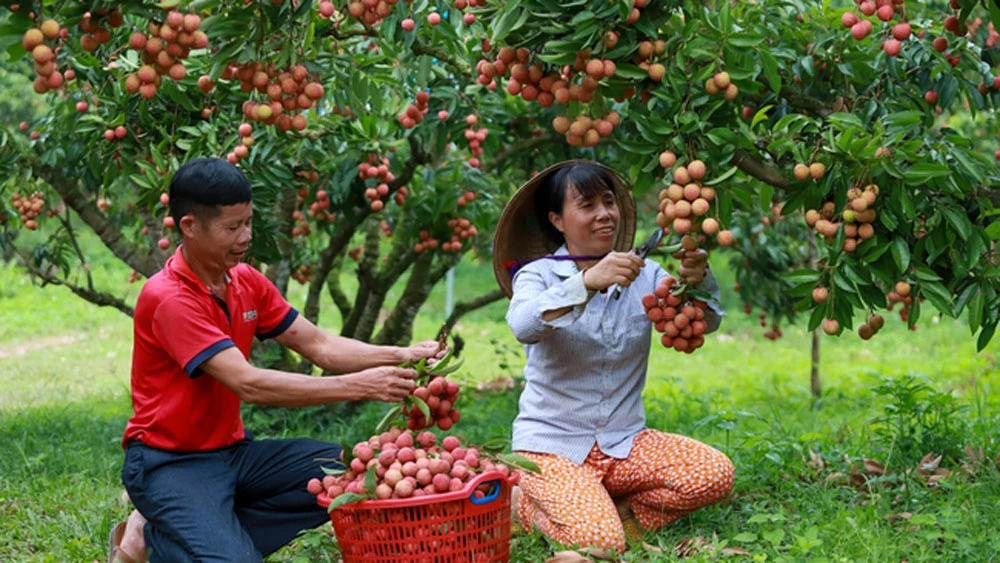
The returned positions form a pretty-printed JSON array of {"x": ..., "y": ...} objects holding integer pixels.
[{"x": 513, "y": 266}]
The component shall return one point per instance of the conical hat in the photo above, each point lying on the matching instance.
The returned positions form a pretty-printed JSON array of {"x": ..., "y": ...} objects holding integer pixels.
[{"x": 518, "y": 236}]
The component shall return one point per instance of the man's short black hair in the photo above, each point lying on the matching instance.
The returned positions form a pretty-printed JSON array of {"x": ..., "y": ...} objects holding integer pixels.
[{"x": 203, "y": 185}]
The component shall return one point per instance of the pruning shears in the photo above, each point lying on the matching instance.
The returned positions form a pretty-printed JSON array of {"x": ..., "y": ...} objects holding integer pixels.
[{"x": 641, "y": 251}]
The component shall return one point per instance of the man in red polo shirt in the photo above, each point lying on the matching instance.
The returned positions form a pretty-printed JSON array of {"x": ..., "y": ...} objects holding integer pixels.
[{"x": 202, "y": 487}]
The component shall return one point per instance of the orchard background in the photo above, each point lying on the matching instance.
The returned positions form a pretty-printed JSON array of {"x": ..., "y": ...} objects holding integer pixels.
[{"x": 843, "y": 155}]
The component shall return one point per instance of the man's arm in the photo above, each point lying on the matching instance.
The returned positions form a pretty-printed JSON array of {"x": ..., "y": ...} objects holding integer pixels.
[
  {"x": 282, "y": 389},
  {"x": 338, "y": 354}
]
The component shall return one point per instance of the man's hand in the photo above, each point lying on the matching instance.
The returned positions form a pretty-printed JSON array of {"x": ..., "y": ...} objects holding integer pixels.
[
  {"x": 389, "y": 384},
  {"x": 694, "y": 264},
  {"x": 619, "y": 268},
  {"x": 428, "y": 349}
]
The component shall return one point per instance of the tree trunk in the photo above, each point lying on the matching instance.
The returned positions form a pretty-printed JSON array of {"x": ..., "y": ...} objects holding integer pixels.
[
  {"x": 398, "y": 327},
  {"x": 284, "y": 209},
  {"x": 336, "y": 292},
  {"x": 814, "y": 369},
  {"x": 345, "y": 227},
  {"x": 814, "y": 380}
]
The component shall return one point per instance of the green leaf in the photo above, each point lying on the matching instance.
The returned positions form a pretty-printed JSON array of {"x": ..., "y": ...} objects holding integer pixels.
[
  {"x": 938, "y": 296},
  {"x": 421, "y": 404},
  {"x": 801, "y": 276},
  {"x": 901, "y": 253},
  {"x": 976, "y": 306},
  {"x": 959, "y": 221},
  {"x": 993, "y": 230},
  {"x": 503, "y": 25},
  {"x": 745, "y": 537},
  {"x": 520, "y": 462},
  {"x": 925, "y": 274},
  {"x": 343, "y": 499},
  {"x": 388, "y": 419},
  {"x": 922, "y": 172},
  {"x": 769, "y": 65},
  {"x": 448, "y": 370},
  {"x": 766, "y": 193},
  {"x": 985, "y": 336},
  {"x": 442, "y": 362},
  {"x": 371, "y": 480},
  {"x": 722, "y": 177},
  {"x": 817, "y": 316}
]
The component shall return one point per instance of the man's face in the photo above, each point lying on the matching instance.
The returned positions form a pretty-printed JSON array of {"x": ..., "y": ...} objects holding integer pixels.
[{"x": 223, "y": 241}]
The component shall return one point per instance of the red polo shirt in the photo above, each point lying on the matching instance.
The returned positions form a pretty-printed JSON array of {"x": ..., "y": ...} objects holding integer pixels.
[{"x": 179, "y": 324}]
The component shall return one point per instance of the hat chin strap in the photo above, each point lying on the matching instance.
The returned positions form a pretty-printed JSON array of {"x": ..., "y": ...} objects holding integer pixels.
[{"x": 512, "y": 266}]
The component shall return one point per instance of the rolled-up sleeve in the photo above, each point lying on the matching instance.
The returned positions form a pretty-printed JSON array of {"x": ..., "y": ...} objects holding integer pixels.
[{"x": 532, "y": 298}]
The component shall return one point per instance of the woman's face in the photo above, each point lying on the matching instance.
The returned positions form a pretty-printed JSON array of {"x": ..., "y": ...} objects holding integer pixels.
[{"x": 589, "y": 224}]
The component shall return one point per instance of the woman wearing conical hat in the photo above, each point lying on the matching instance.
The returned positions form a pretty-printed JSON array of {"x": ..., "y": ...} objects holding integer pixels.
[{"x": 562, "y": 243}]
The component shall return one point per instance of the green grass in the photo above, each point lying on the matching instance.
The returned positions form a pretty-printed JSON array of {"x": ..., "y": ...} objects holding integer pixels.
[{"x": 64, "y": 370}]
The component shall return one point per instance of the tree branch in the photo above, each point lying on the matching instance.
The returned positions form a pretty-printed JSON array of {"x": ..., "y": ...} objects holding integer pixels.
[
  {"x": 523, "y": 145},
  {"x": 463, "y": 307},
  {"x": 461, "y": 66},
  {"x": 98, "y": 298},
  {"x": 801, "y": 101},
  {"x": 756, "y": 168},
  {"x": 139, "y": 258}
]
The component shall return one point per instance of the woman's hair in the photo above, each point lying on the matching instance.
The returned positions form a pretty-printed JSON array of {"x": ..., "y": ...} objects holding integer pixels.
[
  {"x": 588, "y": 179},
  {"x": 203, "y": 185}
]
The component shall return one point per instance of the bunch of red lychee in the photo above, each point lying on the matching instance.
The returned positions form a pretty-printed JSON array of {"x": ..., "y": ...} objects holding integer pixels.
[
  {"x": 476, "y": 138},
  {"x": 371, "y": 11},
  {"x": 858, "y": 217},
  {"x": 287, "y": 91},
  {"x": 427, "y": 242},
  {"x": 44, "y": 56},
  {"x": 94, "y": 32},
  {"x": 302, "y": 274},
  {"x": 28, "y": 208},
  {"x": 408, "y": 465},
  {"x": 415, "y": 112},
  {"x": 461, "y": 229},
  {"x": 585, "y": 131},
  {"x": 684, "y": 204},
  {"x": 721, "y": 83},
  {"x": 901, "y": 294},
  {"x": 380, "y": 174},
  {"x": 438, "y": 395},
  {"x": 163, "y": 50},
  {"x": 682, "y": 321}
]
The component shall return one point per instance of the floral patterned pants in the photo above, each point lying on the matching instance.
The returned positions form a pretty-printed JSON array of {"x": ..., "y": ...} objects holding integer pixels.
[{"x": 664, "y": 477}]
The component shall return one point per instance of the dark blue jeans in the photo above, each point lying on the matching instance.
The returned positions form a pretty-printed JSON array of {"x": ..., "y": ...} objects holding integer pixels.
[{"x": 239, "y": 503}]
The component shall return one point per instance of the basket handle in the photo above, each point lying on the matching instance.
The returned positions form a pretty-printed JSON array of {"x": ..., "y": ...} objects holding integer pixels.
[{"x": 490, "y": 497}]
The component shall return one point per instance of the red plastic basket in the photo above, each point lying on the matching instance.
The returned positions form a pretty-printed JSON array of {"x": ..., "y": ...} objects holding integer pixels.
[{"x": 451, "y": 527}]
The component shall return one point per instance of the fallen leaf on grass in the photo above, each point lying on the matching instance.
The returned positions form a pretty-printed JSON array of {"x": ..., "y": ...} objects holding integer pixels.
[
  {"x": 694, "y": 546},
  {"x": 873, "y": 467},
  {"x": 898, "y": 516},
  {"x": 689, "y": 546},
  {"x": 816, "y": 461},
  {"x": 652, "y": 548},
  {"x": 598, "y": 554},
  {"x": 567, "y": 557},
  {"x": 929, "y": 464},
  {"x": 501, "y": 383}
]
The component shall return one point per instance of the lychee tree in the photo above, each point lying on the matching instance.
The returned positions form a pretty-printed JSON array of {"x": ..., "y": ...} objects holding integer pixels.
[{"x": 391, "y": 134}]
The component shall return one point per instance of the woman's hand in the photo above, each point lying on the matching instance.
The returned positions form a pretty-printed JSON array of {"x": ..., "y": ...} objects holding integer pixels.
[
  {"x": 694, "y": 265},
  {"x": 619, "y": 268}
]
